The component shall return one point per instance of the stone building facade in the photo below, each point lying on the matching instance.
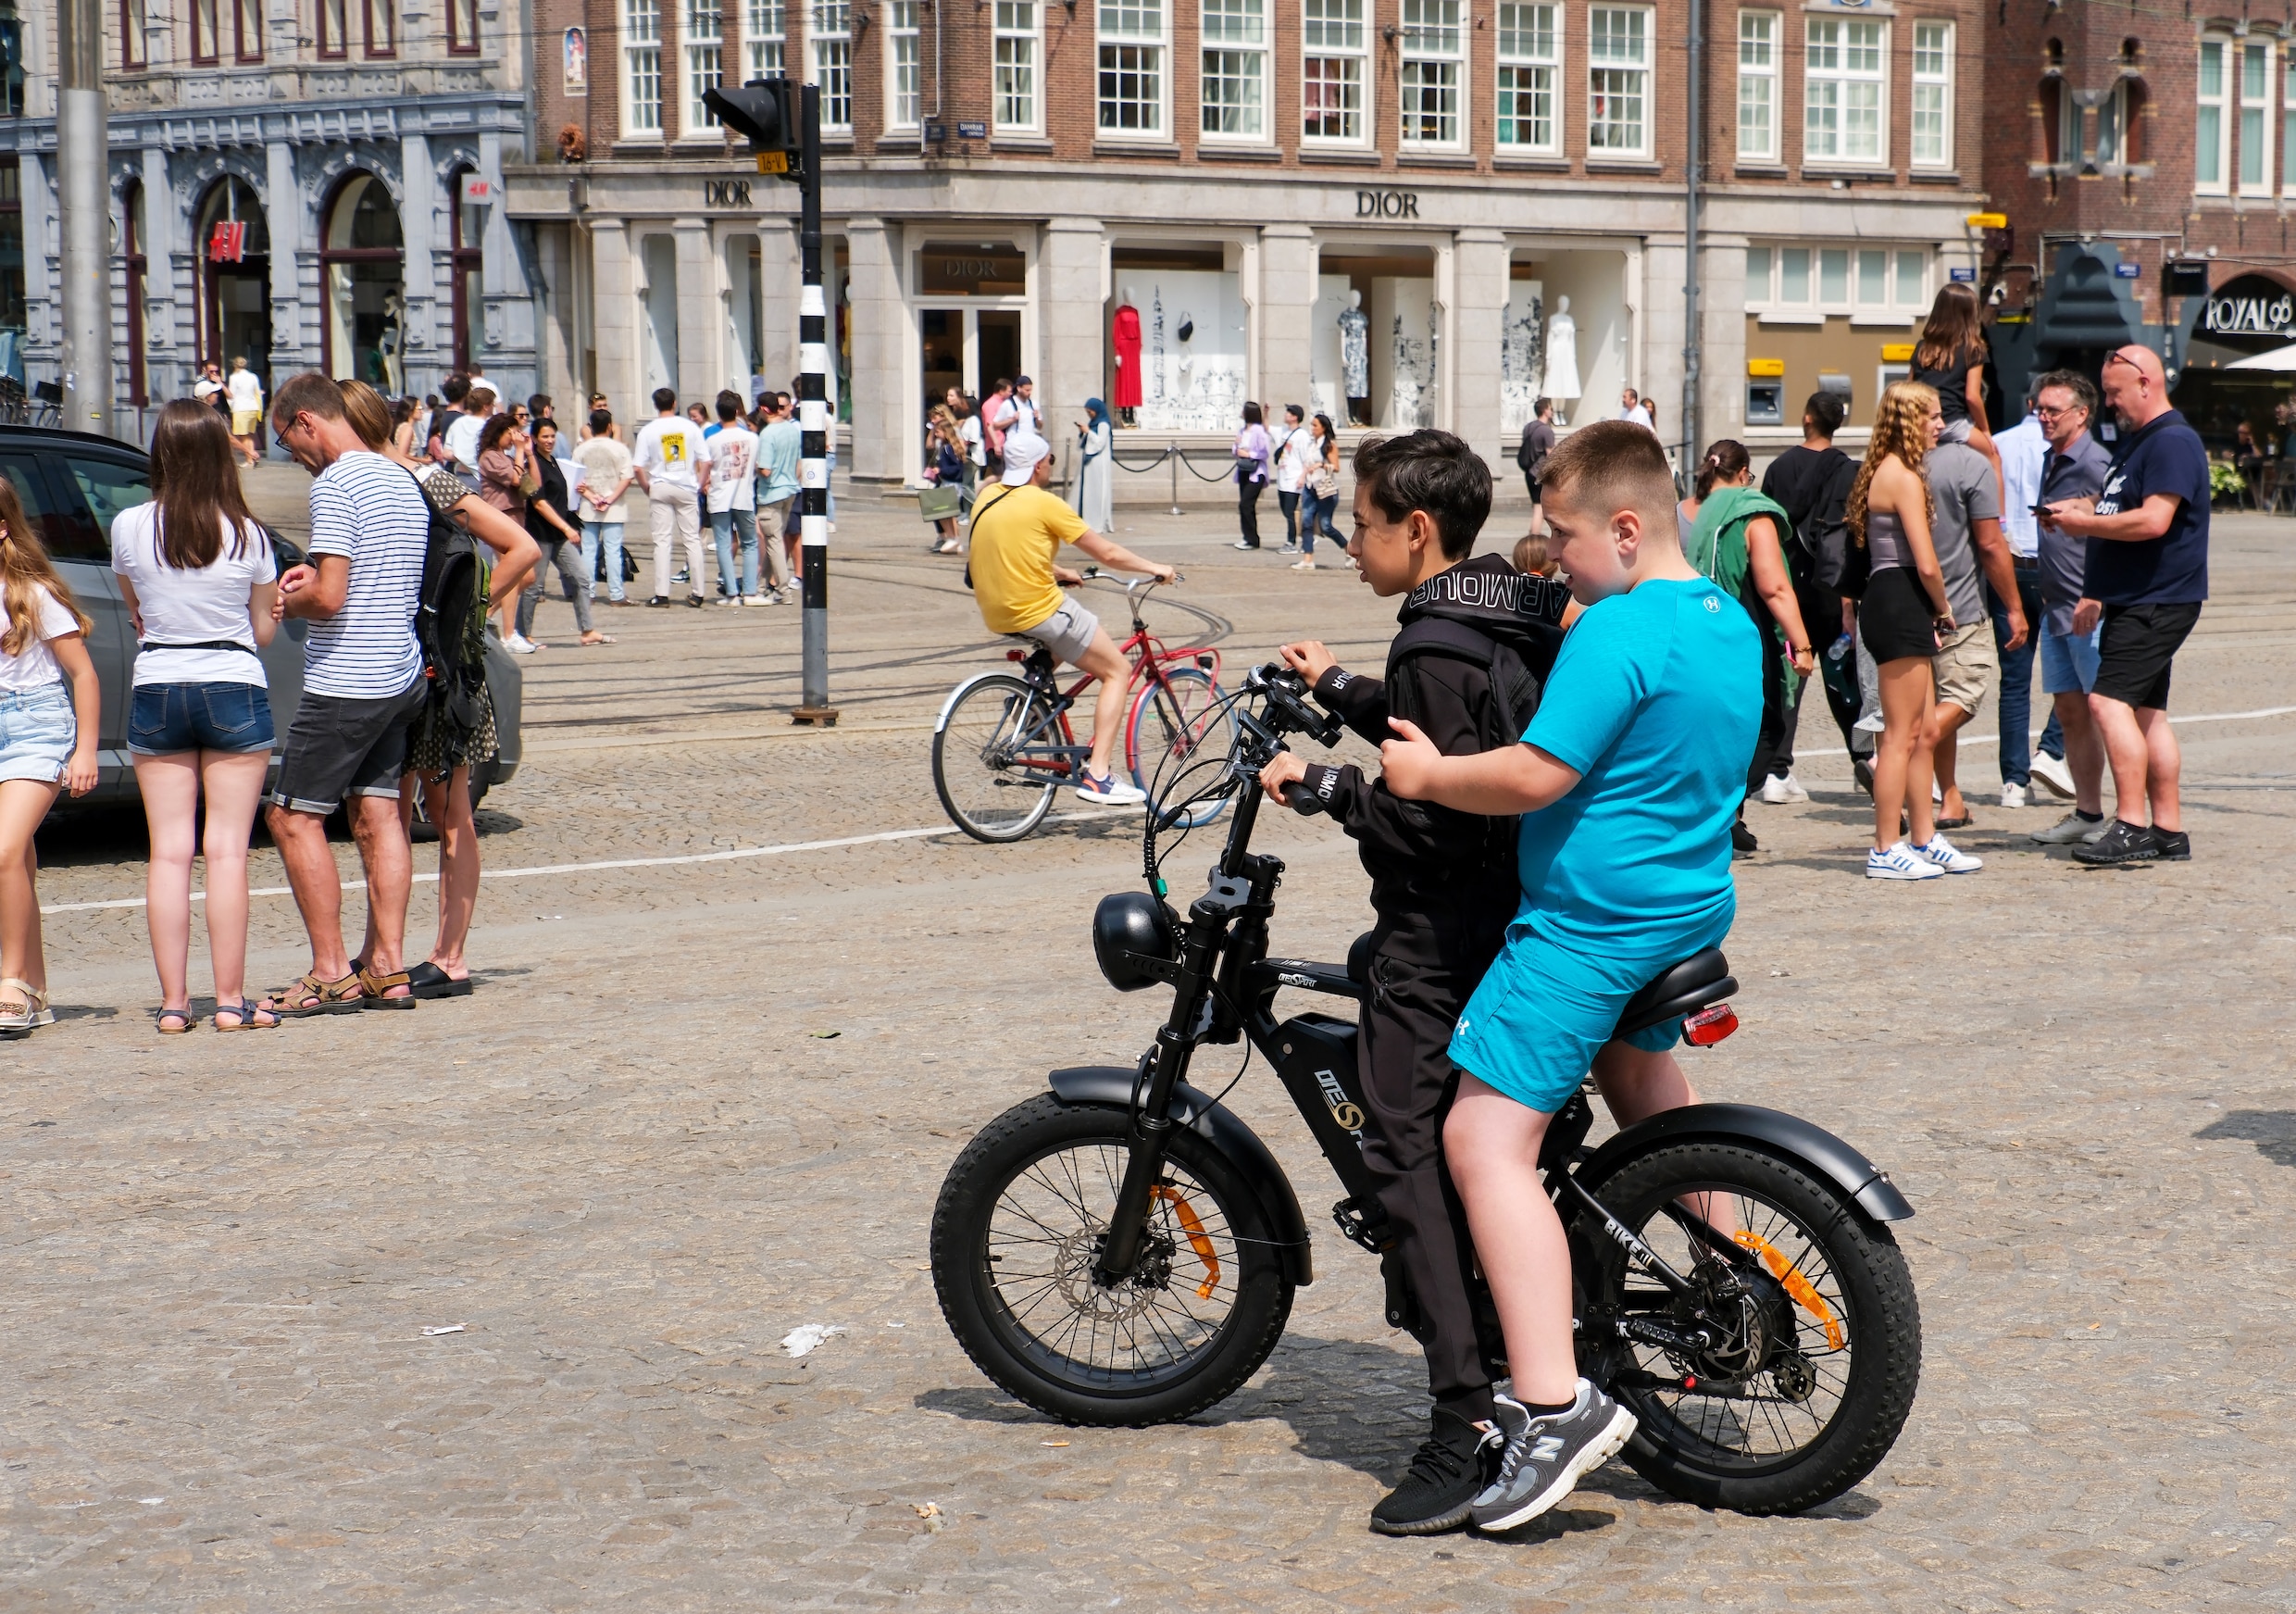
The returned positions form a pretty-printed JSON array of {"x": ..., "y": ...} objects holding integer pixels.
[{"x": 310, "y": 185}]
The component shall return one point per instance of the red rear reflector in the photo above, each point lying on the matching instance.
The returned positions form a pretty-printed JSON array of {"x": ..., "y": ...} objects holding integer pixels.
[
  {"x": 1015, "y": 655},
  {"x": 1709, "y": 1026}
]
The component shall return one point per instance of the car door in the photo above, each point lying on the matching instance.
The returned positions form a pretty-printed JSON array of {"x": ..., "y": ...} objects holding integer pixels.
[{"x": 81, "y": 550}]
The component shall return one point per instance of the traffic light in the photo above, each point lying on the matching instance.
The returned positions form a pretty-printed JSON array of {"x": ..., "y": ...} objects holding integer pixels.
[{"x": 766, "y": 111}]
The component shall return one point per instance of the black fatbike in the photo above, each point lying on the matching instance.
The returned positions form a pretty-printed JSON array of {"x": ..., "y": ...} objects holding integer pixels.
[{"x": 1122, "y": 1250}]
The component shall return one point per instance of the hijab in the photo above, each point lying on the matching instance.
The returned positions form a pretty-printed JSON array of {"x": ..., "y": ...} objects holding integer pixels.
[{"x": 1095, "y": 418}]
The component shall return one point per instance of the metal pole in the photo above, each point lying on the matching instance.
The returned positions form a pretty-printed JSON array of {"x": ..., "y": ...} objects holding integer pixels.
[
  {"x": 1172, "y": 453},
  {"x": 82, "y": 161},
  {"x": 812, "y": 419},
  {"x": 1693, "y": 346}
]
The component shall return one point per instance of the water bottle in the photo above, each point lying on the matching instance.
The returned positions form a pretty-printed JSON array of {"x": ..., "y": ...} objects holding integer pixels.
[{"x": 1839, "y": 648}]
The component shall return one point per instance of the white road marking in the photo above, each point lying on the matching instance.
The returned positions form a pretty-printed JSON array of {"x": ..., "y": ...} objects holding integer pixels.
[{"x": 1967, "y": 740}]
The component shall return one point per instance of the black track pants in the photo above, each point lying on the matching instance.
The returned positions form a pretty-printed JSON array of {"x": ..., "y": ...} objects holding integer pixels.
[{"x": 1423, "y": 970}]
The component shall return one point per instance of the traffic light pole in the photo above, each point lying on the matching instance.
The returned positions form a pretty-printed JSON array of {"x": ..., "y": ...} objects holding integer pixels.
[
  {"x": 81, "y": 159},
  {"x": 815, "y": 422}
]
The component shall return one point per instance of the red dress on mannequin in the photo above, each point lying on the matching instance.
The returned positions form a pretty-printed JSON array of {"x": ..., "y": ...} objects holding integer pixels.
[{"x": 1125, "y": 336}]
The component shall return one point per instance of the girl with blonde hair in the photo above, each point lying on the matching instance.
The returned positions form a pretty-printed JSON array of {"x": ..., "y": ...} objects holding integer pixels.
[{"x": 1901, "y": 618}]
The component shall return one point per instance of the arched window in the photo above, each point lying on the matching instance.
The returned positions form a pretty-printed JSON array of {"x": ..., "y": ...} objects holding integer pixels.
[
  {"x": 235, "y": 250},
  {"x": 469, "y": 272},
  {"x": 2054, "y": 103},
  {"x": 362, "y": 265}
]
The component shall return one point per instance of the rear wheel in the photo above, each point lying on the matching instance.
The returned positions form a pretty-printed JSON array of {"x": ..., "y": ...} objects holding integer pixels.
[
  {"x": 1813, "y": 1348},
  {"x": 991, "y": 760},
  {"x": 1172, "y": 726}
]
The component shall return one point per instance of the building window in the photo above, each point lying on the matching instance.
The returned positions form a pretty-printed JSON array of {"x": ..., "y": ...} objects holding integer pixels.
[
  {"x": 137, "y": 266},
  {"x": 1809, "y": 282},
  {"x": 1619, "y": 70},
  {"x": 1017, "y": 25},
  {"x": 1334, "y": 42},
  {"x": 1933, "y": 95},
  {"x": 902, "y": 84},
  {"x": 642, "y": 67},
  {"x": 1530, "y": 60},
  {"x": 1131, "y": 67},
  {"x": 206, "y": 42},
  {"x": 132, "y": 56},
  {"x": 333, "y": 29},
  {"x": 1757, "y": 87},
  {"x": 704, "y": 56},
  {"x": 462, "y": 27},
  {"x": 828, "y": 58},
  {"x": 2287, "y": 121},
  {"x": 2212, "y": 129},
  {"x": 1427, "y": 82},
  {"x": 247, "y": 29},
  {"x": 382, "y": 29},
  {"x": 1841, "y": 92},
  {"x": 469, "y": 268},
  {"x": 765, "y": 27},
  {"x": 12, "y": 262},
  {"x": 2256, "y": 115},
  {"x": 1234, "y": 88}
]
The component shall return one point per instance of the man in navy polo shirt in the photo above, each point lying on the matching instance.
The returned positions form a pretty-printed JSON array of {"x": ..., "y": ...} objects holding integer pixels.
[{"x": 2146, "y": 578}]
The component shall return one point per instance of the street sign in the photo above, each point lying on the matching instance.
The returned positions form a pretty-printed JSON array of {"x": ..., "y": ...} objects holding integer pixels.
[
  {"x": 1965, "y": 275},
  {"x": 773, "y": 162},
  {"x": 1988, "y": 220},
  {"x": 2127, "y": 271}
]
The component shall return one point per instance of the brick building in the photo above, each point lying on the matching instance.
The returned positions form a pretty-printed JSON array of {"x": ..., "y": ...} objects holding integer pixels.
[{"x": 1375, "y": 207}]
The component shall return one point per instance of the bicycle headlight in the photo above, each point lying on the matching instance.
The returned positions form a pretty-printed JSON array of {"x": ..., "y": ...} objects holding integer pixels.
[{"x": 1133, "y": 939}]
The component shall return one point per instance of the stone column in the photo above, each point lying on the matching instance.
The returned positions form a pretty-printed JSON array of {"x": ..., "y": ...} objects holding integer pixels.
[
  {"x": 508, "y": 327},
  {"x": 1722, "y": 365},
  {"x": 614, "y": 319},
  {"x": 168, "y": 339},
  {"x": 294, "y": 253},
  {"x": 555, "y": 364},
  {"x": 699, "y": 349},
  {"x": 425, "y": 365},
  {"x": 1473, "y": 330},
  {"x": 1072, "y": 339},
  {"x": 776, "y": 241},
  {"x": 875, "y": 440},
  {"x": 1285, "y": 315}
]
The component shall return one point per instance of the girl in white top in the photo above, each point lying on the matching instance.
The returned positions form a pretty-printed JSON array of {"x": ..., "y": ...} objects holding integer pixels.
[
  {"x": 198, "y": 575},
  {"x": 47, "y": 738}
]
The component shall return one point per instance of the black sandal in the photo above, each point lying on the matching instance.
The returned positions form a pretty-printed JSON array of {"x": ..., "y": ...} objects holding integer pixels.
[{"x": 429, "y": 981}]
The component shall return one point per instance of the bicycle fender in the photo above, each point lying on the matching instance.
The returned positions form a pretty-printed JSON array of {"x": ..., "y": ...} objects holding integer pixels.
[
  {"x": 1110, "y": 1086},
  {"x": 1804, "y": 1143},
  {"x": 960, "y": 692}
]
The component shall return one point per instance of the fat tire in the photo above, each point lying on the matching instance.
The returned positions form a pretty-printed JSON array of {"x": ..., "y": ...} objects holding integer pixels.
[
  {"x": 1884, "y": 1314},
  {"x": 997, "y": 1154},
  {"x": 1000, "y": 835}
]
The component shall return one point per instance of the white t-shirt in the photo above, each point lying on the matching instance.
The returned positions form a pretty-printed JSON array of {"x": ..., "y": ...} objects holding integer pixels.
[
  {"x": 34, "y": 666},
  {"x": 370, "y": 510},
  {"x": 672, "y": 450},
  {"x": 205, "y": 606},
  {"x": 1638, "y": 414},
  {"x": 462, "y": 438},
  {"x": 975, "y": 449},
  {"x": 246, "y": 388},
  {"x": 604, "y": 463},
  {"x": 1291, "y": 460},
  {"x": 733, "y": 469}
]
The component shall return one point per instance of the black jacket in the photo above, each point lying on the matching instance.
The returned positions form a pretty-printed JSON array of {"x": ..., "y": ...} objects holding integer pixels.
[{"x": 1416, "y": 852}]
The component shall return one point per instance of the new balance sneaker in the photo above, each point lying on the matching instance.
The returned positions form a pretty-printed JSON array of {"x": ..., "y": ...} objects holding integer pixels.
[
  {"x": 2052, "y": 772},
  {"x": 1449, "y": 1470},
  {"x": 1900, "y": 862},
  {"x": 1108, "y": 789},
  {"x": 2121, "y": 845},
  {"x": 1544, "y": 1457},
  {"x": 1940, "y": 852},
  {"x": 2013, "y": 795},
  {"x": 1781, "y": 791},
  {"x": 2070, "y": 830}
]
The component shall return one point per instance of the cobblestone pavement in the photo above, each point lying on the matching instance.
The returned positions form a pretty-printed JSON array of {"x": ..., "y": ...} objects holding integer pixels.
[{"x": 694, "y": 1107}]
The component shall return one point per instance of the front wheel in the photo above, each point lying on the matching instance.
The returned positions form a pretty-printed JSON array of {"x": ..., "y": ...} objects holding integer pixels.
[
  {"x": 992, "y": 761},
  {"x": 1813, "y": 1335},
  {"x": 1174, "y": 725},
  {"x": 1019, "y": 1224}
]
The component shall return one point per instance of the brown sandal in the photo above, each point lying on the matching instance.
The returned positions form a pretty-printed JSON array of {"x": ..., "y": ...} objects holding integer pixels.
[
  {"x": 311, "y": 996},
  {"x": 373, "y": 989}
]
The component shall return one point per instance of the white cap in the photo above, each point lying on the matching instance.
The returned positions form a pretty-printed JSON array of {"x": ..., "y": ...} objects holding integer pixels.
[{"x": 1022, "y": 452}]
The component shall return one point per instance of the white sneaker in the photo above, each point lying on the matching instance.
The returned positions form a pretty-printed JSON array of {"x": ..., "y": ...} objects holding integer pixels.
[
  {"x": 767, "y": 599},
  {"x": 1108, "y": 790},
  {"x": 2013, "y": 795},
  {"x": 2070, "y": 830},
  {"x": 729, "y": 599},
  {"x": 2052, "y": 772},
  {"x": 518, "y": 644},
  {"x": 1900, "y": 862},
  {"x": 1939, "y": 851},
  {"x": 1781, "y": 791}
]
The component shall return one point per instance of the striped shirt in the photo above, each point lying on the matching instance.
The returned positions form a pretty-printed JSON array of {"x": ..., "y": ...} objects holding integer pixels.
[{"x": 371, "y": 512}]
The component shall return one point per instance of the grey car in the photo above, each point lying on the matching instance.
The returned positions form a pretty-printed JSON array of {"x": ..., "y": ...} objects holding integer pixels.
[{"x": 72, "y": 485}]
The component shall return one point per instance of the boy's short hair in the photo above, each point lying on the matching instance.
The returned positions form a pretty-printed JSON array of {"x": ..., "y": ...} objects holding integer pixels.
[
  {"x": 601, "y": 422},
  {"x": 1827, "y": 411},
  {"x": 664, "y": 399},
  {"x": 729, "y": 404},
  {"x": 1610, "y": 466},
  {"x": 455, "y": 389},
  {"x": 1428, "y": 470}
]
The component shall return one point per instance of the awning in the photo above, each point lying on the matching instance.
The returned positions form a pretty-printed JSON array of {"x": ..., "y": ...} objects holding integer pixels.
[{"x": 2283, "y": 358}]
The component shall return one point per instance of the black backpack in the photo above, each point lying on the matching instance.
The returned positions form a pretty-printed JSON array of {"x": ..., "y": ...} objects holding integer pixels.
[
  {"x": 1515, "y": 690},
  {"x": 1838, "y": 557},
  {"x": 450, "y": 628}
]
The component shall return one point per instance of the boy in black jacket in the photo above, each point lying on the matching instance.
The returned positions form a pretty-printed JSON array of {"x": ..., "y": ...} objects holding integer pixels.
[{"x": 1477, "y": 639}]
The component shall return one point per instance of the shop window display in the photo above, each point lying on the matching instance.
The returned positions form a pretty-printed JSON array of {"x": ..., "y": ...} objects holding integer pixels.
[
  {"x": 1193, "y": 337},
  {"x": 1522, "y": 354},
  {"x": 1394, "y": 296}
]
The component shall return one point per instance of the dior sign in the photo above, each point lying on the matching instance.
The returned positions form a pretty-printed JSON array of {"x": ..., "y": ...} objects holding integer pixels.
[{"x": 1387, "y": 203}]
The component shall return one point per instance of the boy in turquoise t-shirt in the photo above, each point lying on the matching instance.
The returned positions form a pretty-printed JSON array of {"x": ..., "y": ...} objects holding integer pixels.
[{"x": 1628, "y": 781}]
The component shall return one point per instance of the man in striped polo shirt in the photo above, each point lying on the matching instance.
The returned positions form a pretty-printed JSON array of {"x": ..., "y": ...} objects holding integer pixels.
[{"x": 362, "y": 689}]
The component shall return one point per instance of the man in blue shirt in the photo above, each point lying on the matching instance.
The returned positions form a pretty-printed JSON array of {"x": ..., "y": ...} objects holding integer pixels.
[
  {"x": 1629, "y": 780},
  {"x": 2146, "y": 578}
]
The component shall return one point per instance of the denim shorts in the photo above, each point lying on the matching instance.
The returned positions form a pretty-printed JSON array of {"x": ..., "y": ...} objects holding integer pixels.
[
  {"x": 2068, "y": 661},
  {"x": 164, "y": 719},
  {"x": 37, "y": 729}
]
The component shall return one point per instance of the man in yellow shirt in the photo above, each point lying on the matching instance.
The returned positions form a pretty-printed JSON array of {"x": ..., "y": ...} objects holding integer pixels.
[{"x": 1016, "y": 533}]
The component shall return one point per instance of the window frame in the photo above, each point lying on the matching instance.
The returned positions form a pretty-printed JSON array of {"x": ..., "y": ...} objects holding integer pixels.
[
  {"x": 208, "y": 50},
  {"x": 388, "y": 36},
  {"x": 1000, "y": 36},
  {"x": 242, "y": 11},
  {"x": 765, "y": 28},
  {"x": 459, "y": 26},
  {"x": 1547, "y": 59},
  {"x": 894, "y": 122},
  {"x": 638, "y": 28},
  {"x": 1767, "y": 300},
  {"x": 333, "y": 44},
  {"x": 1940, "y": 78},
  {"x": 133, "y": 56},
  {"x": 2288, "y": 122},
  {"x": 828, "y": 55},
  {"x": 701, "y": 65},
  {"x": 1342, "y": 57},
  {"x": 1255, "y": 59},
  {"x": 2262, "y": 109},
  {"x": 1156, "y": 57},
  {"x": 1413, "y": 51},
  {"x": 1765, "y": 76},
  {"x": 1646, "y": 66},
  {"x": 2221, "y": 103},
  {"x": 1844, "y": 77}
]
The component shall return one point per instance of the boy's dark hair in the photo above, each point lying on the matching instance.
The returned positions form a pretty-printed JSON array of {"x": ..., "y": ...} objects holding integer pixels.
[
  {"x": 1826, "y": 411},
  {"x": 601, "y": 422},
  {"x": 1541, "y": 405},
  {"x": 2084, "y": 391},
  {"x": 539, "y": 404},
  {"x": 729, "y": 404},
  {"x": 455, "y": 389},
  {"x": 664, "y": 399},
  {"x": 1434, "y": 471},
  {"x": 1610, "y": 466}
]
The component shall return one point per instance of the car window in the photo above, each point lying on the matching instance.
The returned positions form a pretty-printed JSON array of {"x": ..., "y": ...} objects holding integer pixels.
[
  {"x": 68, "y": 533},
  {"x": 109, "y": 487}
]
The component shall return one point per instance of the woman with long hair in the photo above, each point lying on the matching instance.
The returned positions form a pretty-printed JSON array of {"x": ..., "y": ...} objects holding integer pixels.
[
  {"x": 1251, "y": 450},
  {"x": 944, "y": 449},
  {"x": 403, "y": 425},
  {"x": 506, "y": 481},
  {"x": 1900, "y": 618},
  {"x": 1950, "y": 358},
  {"x": 198, "y": 575},
  {"x": 48, "y": 740},
  {"x": 1323, "y": 467},
  {"x": 443, "y": 778}
]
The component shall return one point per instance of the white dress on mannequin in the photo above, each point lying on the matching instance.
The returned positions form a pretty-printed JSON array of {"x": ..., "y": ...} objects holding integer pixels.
[{"x": 1562, "y": 377}]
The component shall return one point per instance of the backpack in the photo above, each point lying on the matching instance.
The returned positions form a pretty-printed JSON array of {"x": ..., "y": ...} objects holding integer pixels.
[
  {"x": 1515, "y": 690},
  {"x": 1529, "y": 461},
  {"x": 1838, "y": 560},
  {"x": 450, "y": 628}
]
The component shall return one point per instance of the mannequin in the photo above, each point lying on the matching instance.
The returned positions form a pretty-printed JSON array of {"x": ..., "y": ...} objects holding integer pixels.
[
  {"x": 1562, "y": 377},
  {"x": 1124, "y": 339},
  {"x": 1186, "y": 334},
  {"x": 1355, "y": 358}
]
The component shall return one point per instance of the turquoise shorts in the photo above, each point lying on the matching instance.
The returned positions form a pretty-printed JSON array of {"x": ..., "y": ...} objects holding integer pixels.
[{"x": 1533, "y": 1027}]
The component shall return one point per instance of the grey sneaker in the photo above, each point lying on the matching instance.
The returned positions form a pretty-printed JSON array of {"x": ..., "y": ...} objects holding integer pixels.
[
  {"x": 2070, "y": 830},
  {"x": 1544, "y": 1457}
]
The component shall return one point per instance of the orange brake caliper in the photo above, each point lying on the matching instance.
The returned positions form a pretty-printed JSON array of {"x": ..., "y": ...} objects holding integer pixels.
[
  {"x": 1804, "y": 1293},
  {"x": 1197, "y": 1238}
]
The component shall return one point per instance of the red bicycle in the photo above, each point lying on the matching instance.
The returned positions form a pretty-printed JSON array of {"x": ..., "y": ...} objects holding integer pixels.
[{"x": 1003, "y": 741}]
